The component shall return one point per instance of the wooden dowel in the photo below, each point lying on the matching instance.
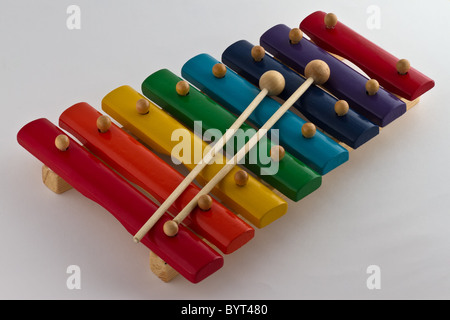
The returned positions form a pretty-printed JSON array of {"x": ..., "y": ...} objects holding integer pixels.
[
  {"x": 271, "y": 83},
  {"x": 317, "y": 72}
]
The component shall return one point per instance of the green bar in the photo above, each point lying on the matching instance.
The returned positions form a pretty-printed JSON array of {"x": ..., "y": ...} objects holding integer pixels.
[{"x": 294, "y": 179}]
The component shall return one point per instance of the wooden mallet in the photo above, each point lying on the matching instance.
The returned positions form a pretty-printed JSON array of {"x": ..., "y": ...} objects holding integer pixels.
[
  {"x": 316, "y": 71},
  {"x": 271, "y": 83}
]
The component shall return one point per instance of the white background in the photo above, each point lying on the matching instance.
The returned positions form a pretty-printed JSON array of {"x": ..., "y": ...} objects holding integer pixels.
[{"x": 388, "y": 205}]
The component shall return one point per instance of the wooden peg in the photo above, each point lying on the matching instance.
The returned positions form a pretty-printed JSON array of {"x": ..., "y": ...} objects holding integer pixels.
[
  {"x": 277, "y": 153},
  {"x": 103, "y": 124},
  {"x": 54, "y": 182},
  {"x": 308, "y": 130},
  {"x": 161, "y": 269},
  {"x": 170, "y": 228},
  {"x": 62, "y": 142},
  {"x": 241, "y": 178},
  {"x": 403, "y": 66},
  {"x": 142, "y": 106},
  {"x": 219, "y": 70},
  {"x": 204, "y": 202},
  {"x": 372, "y": 87},
  {"x": 295, "y": 35},
  {"x": 258, "y": 53},
  {"x": 182, "y": 88},
  {"x": 341, "y": 107},
  {"x": 330, "y": 20}
]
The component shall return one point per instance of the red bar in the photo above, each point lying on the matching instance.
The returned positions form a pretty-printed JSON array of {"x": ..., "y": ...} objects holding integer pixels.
[
  {"x": 141, "y": 166},
  {"x": 373, "y": 60},
  {"x": 186, "y": 253}
]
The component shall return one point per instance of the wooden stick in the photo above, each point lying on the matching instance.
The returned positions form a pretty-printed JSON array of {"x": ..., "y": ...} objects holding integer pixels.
[
  {"x": 317, "y": 72},
  {"x": 271, "y": 83}
]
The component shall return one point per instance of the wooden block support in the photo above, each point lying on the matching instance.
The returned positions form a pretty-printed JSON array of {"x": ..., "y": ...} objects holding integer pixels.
[
  {"x": 58, "y": 185},
  {"x": 161, "y": 269},
  {"x": 53, "y": 181},
  {"x": 410, "y": 104}
]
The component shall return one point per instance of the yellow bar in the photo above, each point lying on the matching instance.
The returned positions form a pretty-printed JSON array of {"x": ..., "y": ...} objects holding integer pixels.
[{"x": 254, "y": 201}]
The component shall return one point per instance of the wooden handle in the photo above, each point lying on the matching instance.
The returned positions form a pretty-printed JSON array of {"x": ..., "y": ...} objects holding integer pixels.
[
  {"x": 200, "y": 166},
  {"x": 243, "y": 151}
]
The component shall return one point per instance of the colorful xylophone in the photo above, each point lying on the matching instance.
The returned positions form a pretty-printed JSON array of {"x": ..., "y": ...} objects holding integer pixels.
[{"x": 121, "y": 168}]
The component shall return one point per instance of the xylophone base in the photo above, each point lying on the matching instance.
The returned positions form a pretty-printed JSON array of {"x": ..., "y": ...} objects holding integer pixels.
[
  {"x": 54, "y": 182},
  {"x": 410, "y": 103},
  {"x": 58, "y": 185},
  {"x": 161, "y": 269}
]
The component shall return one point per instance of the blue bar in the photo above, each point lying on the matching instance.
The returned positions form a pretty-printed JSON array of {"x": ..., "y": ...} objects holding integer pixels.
[{"x": 317, "y": 105}]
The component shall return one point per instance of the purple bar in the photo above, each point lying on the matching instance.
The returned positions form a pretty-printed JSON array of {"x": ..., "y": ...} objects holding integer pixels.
[{"x": 345, "y": 82}]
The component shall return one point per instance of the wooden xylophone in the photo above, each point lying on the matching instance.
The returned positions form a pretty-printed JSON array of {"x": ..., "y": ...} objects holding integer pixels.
[{"x": 121, "y": 168}]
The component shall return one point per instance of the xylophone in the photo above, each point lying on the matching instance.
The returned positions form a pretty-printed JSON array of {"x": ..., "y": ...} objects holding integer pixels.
[{"x": 335, "y": 109}]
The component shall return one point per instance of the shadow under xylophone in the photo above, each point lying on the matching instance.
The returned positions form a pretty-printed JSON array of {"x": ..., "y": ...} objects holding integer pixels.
[{"x": 348, "y": 109}]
